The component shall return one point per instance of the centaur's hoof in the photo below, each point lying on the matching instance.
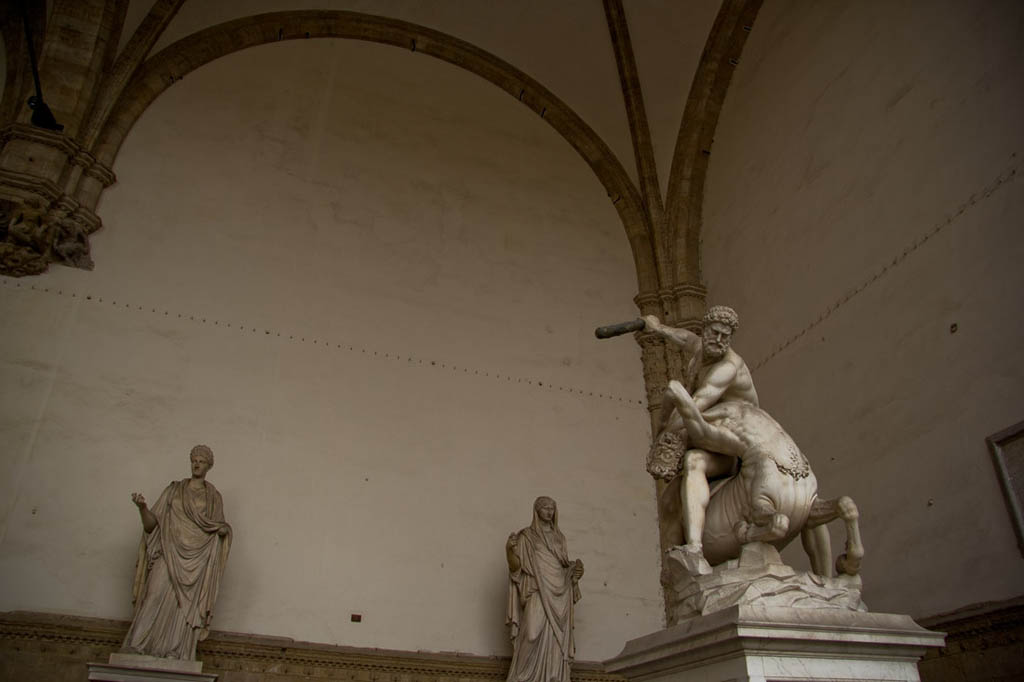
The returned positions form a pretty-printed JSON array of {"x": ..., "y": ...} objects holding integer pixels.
[
  {"x": 846, "y": 565},
  {"x": 691, "y": 558}
]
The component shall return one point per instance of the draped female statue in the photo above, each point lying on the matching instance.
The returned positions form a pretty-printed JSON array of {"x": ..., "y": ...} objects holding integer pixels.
[
  {"x": 181, "y": 561},
  {"x": 542, "y": 590}
]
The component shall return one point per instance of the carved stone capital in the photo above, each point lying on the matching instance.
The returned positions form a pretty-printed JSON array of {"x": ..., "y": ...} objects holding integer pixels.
[
  {"x": 690, "y": 301},
  {"x": 697, "y": 291},
  {"x": 93, "y": 168},
  {"x": 649, "y": 303},
  {"x": 681, "y": 305}
]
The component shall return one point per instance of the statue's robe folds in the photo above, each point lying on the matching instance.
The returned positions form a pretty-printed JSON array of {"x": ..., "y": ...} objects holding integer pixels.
[
  {"x": 540, "y": 609},
  {"x": 180, "y": 566}
]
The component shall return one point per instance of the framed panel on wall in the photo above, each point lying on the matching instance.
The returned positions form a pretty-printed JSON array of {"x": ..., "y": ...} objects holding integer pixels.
[{"x": 1007, "y": 448}]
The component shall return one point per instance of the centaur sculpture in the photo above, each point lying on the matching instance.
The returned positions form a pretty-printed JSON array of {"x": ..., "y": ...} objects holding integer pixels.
[
  {"x": 763, "y": 489},
  {"x": 774, "y": 496}
]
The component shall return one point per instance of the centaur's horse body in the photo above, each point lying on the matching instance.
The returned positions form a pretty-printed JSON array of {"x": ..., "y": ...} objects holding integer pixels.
[
  {"x": 774, "y": 489},
  {"x": 774, "y": 497}
]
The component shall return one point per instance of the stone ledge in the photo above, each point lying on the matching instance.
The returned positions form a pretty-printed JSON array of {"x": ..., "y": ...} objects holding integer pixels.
[
  {"x": 983, "y": 642},
  {"x": 58, "y": 647},
  {"x": 111, "y": 672}
]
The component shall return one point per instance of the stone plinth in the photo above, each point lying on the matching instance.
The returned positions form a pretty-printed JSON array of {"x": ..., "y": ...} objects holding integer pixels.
[
  {"x": 136, "y": 668},
  {"x": 758, "y": 643},
  {"x": 757, "y": 577}
]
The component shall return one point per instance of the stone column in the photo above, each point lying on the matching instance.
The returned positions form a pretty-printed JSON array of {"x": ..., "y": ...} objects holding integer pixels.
[{"x": 680, "y": 306}]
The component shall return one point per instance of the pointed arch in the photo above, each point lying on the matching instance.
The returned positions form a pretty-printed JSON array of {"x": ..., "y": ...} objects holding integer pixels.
[
  {"x": 160, "y": 71},
  {"x": 685, "y": 197}
]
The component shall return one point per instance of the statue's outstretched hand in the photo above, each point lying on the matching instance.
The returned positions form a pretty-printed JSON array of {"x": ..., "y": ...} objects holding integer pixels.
[
  {"x": 139, "y": 500},
  {"x": 651, "y": 323}
]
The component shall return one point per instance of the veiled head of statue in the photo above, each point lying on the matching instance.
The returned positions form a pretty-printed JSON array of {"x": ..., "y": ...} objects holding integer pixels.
[
  {"x": 546, "y": 509},
  {"x": 545, "y": 527}
]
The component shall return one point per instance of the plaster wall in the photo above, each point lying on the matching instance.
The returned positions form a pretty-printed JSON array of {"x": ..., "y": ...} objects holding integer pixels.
[
  {"x": 668, "y": 39},
  {"x": 864, "y": 196},
  {"x": 564, "y": 45},
  {"x": 369, "y": 281}
]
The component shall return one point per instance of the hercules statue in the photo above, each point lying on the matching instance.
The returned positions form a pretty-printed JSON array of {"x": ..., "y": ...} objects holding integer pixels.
[{"x": 734, "y": 475}]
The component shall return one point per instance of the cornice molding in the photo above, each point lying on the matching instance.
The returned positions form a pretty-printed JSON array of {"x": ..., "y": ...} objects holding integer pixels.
[
  {"x": 978, "y": 619},
  {"x": 15, "y": 185},
  {"x": 85, "y": 638},
  {"x": 67, "y": 146},
  {"x": 50, "y": 138},
  {"x": 690, "y": 291},
  {"x": 982, "y": 638}
]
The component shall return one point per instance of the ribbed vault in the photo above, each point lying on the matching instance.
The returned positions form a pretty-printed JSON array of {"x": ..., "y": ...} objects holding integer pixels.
[{"x": 171, "y": 64}]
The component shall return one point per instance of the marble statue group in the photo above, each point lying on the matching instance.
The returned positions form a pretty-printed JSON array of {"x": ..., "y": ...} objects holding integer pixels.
[
  {"x": 736, "y": 481},
  {"x": 737, "y": 490},
  {"x": 712, "y": 425}
]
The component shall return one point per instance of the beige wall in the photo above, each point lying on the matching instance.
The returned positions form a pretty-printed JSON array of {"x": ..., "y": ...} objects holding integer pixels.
[
  {"x": 274, "y": 209},
  {"x": 853, "y": 131},
  {"x": 369, "y": 280},
  {"x": 563, "y": 44}
]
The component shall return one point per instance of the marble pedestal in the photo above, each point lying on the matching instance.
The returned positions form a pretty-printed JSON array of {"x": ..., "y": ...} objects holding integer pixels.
[
  {"x": 136, "y": 668},
  {"x": 758, "y": 643}
]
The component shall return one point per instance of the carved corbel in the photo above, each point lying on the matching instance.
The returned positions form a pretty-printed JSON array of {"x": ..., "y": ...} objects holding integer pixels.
[
  {"x": 40, "y": 222},
  {"x": 26, "y": 238}
]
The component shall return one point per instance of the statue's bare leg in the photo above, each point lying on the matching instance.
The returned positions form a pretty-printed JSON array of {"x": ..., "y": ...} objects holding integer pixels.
[
  {"x": 818, "y": 545},
  {"x": 849, "y": 561},
  {"x": 824, "y": 511},
  {"x": 698, "y": 464},
  {"x": 695, "y": 492}
]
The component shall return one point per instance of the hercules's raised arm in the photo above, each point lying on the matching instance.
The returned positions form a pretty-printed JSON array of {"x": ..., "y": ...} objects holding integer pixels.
[{"x": 681, "y": 337}]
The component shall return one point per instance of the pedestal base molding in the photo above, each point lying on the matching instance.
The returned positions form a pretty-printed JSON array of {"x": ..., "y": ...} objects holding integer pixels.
[
  {"x": 135, "y": 668},
  {"x": 753, "y": 643},
  {"x": 36, "y": 646}
]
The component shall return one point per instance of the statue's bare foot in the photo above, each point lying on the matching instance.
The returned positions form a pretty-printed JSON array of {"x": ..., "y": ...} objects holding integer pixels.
[{"x": 692, "y": 559}]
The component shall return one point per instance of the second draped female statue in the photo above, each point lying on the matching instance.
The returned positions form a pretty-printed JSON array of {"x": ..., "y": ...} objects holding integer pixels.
[{"x": 543, "y": 587}]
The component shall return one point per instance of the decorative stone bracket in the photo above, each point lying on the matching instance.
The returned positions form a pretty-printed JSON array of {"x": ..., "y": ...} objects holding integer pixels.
[{"x": 48, "y": 185}]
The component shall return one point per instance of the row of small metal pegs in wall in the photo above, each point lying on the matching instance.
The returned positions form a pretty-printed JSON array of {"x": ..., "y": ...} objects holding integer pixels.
[{"x": 409, "y": 359}]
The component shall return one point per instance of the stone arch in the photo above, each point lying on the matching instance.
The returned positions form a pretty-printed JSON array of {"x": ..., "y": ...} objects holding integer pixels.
[
  {"x": 163, "y": 69},
  {"x": 685, "y": 199}
]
